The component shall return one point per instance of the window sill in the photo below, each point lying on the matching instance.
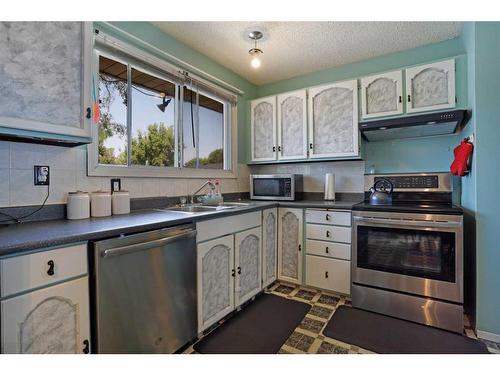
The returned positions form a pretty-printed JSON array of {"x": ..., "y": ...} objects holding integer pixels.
[{"x": 159, "y": 172}]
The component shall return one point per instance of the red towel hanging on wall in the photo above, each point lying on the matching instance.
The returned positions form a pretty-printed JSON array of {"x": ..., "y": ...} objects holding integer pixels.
[{"x": 463, "y": 154}]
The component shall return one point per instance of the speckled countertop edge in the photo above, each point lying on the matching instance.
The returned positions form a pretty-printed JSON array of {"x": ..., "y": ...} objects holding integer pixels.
[{"x": 18, "y": 238}]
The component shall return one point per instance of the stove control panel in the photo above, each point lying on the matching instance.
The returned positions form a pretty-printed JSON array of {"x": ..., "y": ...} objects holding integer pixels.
[{"x": 410, "y": 182}]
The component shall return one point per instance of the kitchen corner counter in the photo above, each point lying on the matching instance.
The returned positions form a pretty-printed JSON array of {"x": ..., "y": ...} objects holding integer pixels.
[{"x": 16, "y": 238}]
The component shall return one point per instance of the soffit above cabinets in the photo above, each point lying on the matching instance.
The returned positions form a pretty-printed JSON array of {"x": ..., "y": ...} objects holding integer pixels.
[{"x": 295, "y": 48}]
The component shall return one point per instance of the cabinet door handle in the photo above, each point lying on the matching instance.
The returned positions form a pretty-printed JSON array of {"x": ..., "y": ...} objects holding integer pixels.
[
  {"x": 279, "y": 148},
  {"x": 274, "y": 148},
  {"x": 89, "y": 112},
  {"x": 409, "y": 98},
  {"x": 233, "y": 273},
  {"x": 400, "y": 99},
  {"x": 51, "y": 265},
  {"x": 239, "y": 270},
  {"x": 300, "y": 247},
  {"x": 328, "y": 233},
  {"x": 86, "y": 347},
  {"x": 326, "y": 274},
  {"x": 327, "y": 217},
  {"x": 327, "y": 249},
  {"x": 311, "y": 146}
]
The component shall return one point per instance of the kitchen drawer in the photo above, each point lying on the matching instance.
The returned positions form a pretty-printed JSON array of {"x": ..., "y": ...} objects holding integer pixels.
[
  {"x": 328, "y": 233},
  {"x": 329, "y": 249},
  {"x": 329, "y": 274},
  {"x": 328, "y": 217},
  {"x": 25, "y": 272},
  {"x": 214, "y": 228}
]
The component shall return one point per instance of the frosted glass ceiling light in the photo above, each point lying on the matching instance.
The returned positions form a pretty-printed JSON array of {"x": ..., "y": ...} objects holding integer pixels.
[{"x": 255, "y": 52}]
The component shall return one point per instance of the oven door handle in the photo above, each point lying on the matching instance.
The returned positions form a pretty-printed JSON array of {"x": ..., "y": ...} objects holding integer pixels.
[{"x": 412, "y": 223}]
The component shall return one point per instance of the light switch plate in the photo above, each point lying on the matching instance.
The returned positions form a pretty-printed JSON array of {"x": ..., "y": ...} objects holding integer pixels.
[{"x": 41, "y": 175}]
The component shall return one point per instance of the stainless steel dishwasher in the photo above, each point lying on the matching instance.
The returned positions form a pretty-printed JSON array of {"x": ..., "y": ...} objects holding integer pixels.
[{"x": 145, "y": 291}]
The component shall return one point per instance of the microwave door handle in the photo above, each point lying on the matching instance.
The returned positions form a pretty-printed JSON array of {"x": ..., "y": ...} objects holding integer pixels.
[{"x": 411, "y": 223}]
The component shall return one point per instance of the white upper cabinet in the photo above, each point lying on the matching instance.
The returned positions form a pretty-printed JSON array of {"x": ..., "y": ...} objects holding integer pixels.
[
  {"x": 263, "y": 128},
  {"x": 292, "y": 125},
  {"x": 430, "y": 87},
  {"x": 45, "y": 75},
  {"x": 382, "y": 95},
  {"x": 333, "y": 120}
]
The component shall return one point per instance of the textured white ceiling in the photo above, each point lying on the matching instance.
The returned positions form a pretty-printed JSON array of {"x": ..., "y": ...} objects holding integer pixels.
[{"x": 295, "y": 48}]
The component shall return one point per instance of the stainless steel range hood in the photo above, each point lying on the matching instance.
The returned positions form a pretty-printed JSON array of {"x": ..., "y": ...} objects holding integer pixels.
[{"x": 426, "y": 125}]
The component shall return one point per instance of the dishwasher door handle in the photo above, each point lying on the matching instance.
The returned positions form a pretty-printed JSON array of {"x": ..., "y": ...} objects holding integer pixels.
[{"x": 122, "y": 250}]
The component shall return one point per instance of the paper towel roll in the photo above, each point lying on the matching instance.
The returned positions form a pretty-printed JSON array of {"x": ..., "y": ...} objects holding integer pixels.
[{"x": 329, "y": 187}]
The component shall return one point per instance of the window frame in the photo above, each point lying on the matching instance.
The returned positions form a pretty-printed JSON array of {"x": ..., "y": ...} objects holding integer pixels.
[{"x": 139, "y": 59}]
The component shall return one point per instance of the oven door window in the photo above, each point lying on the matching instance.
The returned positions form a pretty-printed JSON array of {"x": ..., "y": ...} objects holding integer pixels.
[
  {"x": 271, "y": 187},
  {"x": 413, "y": 252}
]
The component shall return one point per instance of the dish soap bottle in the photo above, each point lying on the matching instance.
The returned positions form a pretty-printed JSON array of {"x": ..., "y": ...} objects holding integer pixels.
[{"x": 218, "y": 196}]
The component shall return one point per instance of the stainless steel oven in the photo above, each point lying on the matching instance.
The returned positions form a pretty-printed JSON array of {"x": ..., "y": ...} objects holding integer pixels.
[
  {"x": 284, "y": 187},
  {"x": 409, "y": 265}
]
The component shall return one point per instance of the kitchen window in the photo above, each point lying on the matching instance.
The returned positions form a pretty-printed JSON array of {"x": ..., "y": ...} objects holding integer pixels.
[{"x": 157, "y": 121}]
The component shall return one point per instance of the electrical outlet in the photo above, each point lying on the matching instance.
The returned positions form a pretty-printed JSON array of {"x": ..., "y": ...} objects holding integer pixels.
[
  {"x": 116, "y": 184},
  {"x": 41, "y": 175}
]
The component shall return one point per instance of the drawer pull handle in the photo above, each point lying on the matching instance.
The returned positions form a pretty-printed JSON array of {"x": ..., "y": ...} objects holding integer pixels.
[
  {"x": 86, "y": 347},
  {"x": 327, "y": 217},
  {"x": 51, "y": 265},
  {"x": 239, "y": 270},
  {"x": 326, "y": 274},
  {"x": 328, "y": 233},
  {"x": 326, "y": 250}
]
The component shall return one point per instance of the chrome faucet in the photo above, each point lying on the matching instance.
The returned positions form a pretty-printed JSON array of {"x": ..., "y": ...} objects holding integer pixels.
[{"x": 208, "y": 182}]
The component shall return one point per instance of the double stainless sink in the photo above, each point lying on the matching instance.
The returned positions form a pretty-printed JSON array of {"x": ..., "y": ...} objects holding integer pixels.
[{"x": 205, "y": 208}]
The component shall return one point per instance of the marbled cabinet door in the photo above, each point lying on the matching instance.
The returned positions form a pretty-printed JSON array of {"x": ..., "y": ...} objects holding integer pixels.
[
  {"x": 333, "y": 120},
  {"x": 270, "y": 249},
  {"x": 431, "y": 86},
  {"x": 381, "y": 94},
  {"x": 290, "y": 245},
  {"x": 215, "y": 280},
  {"x": 292, "y": 125},
  {"x": 248, "y": 264},
  {"x": 263, "y": 114},
  {"x": 53, "y": 320}
]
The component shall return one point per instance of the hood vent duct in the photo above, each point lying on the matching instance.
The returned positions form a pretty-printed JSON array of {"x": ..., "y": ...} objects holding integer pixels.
[{"x": 426, "y": 125}]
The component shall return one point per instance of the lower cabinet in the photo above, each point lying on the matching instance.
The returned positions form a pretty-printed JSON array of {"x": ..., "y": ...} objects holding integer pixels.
[
  {"x": 269, "y": 246},
  {"x": 216, "y": 273},
  {"x": 229, "y": 274},
  {"x": 53, "y": 320},
  {"x": 329, "y": 274},
  {"x": 290, "y": 229}
]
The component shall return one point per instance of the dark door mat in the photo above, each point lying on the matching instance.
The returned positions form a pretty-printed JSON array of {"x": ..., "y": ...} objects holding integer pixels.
[
  {"x": 260, "y": 328},
  {"x": 386, "y": 335}
]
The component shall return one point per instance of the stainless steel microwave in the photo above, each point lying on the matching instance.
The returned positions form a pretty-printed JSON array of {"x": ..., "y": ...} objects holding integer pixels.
[{"x": 276, "y": 187}]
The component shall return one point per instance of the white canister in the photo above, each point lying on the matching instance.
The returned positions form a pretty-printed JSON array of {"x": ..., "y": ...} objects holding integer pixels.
[
  {"x": 100, "y": 203},
  {"x": 329, "y": 187},
  {"x": 78, "y": 206},
  {"x": 121, "y": 202}
]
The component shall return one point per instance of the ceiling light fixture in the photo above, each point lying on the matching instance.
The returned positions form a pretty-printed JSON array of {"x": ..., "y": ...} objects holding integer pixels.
[{"x": 255, "y": 52}]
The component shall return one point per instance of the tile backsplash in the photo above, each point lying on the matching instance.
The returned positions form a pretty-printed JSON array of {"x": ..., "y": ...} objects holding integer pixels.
[
  {"x": 348, "y": 174},
  {"x": 68, "y": 173}
]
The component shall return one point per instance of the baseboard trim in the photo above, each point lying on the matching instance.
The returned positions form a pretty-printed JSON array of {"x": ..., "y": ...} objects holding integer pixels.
[{"x": 488, "y": 336}]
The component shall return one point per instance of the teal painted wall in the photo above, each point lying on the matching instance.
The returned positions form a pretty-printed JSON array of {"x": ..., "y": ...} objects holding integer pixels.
[
  {"x": 487, "y": 120},
  {"x": 469, "y": 182},
  {"x": 154, "y": 36},
  {"x": 429, "y": 154}
]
